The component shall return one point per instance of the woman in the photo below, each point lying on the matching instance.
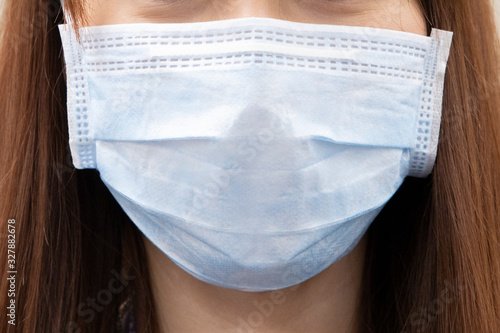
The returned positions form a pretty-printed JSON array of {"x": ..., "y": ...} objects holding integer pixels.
[{"x": 428, "y": 263}]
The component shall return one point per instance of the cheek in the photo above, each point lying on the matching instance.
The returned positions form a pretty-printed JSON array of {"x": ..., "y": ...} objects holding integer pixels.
[
  {"x": 104, "y": 12},
  {"x": 403, "y": 15},
  {"x": 411, "y": 18}
]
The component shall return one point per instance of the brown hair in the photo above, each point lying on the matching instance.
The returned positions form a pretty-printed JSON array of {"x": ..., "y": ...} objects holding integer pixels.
[{"x": 433, "y": 256}]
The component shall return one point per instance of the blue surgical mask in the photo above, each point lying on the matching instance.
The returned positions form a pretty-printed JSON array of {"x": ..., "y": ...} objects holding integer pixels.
[{"x": 254, "y": 152}]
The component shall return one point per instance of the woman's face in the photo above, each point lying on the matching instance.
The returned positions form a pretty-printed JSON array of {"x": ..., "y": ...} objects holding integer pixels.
[{"x": 403, "y": 15}]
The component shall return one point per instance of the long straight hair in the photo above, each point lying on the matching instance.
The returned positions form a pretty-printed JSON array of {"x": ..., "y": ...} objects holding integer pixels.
[{"x": 433, "y": 254}]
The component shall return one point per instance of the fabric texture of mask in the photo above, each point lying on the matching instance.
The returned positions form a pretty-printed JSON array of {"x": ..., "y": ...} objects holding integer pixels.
[{"x": 254, "y": 152}]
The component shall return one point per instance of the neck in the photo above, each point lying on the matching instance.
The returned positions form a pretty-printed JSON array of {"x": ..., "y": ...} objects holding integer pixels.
[{"x": 327, "y": 303}]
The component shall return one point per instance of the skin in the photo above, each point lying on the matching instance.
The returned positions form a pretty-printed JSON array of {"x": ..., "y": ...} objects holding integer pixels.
[{"x": 328, "y": 302}]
